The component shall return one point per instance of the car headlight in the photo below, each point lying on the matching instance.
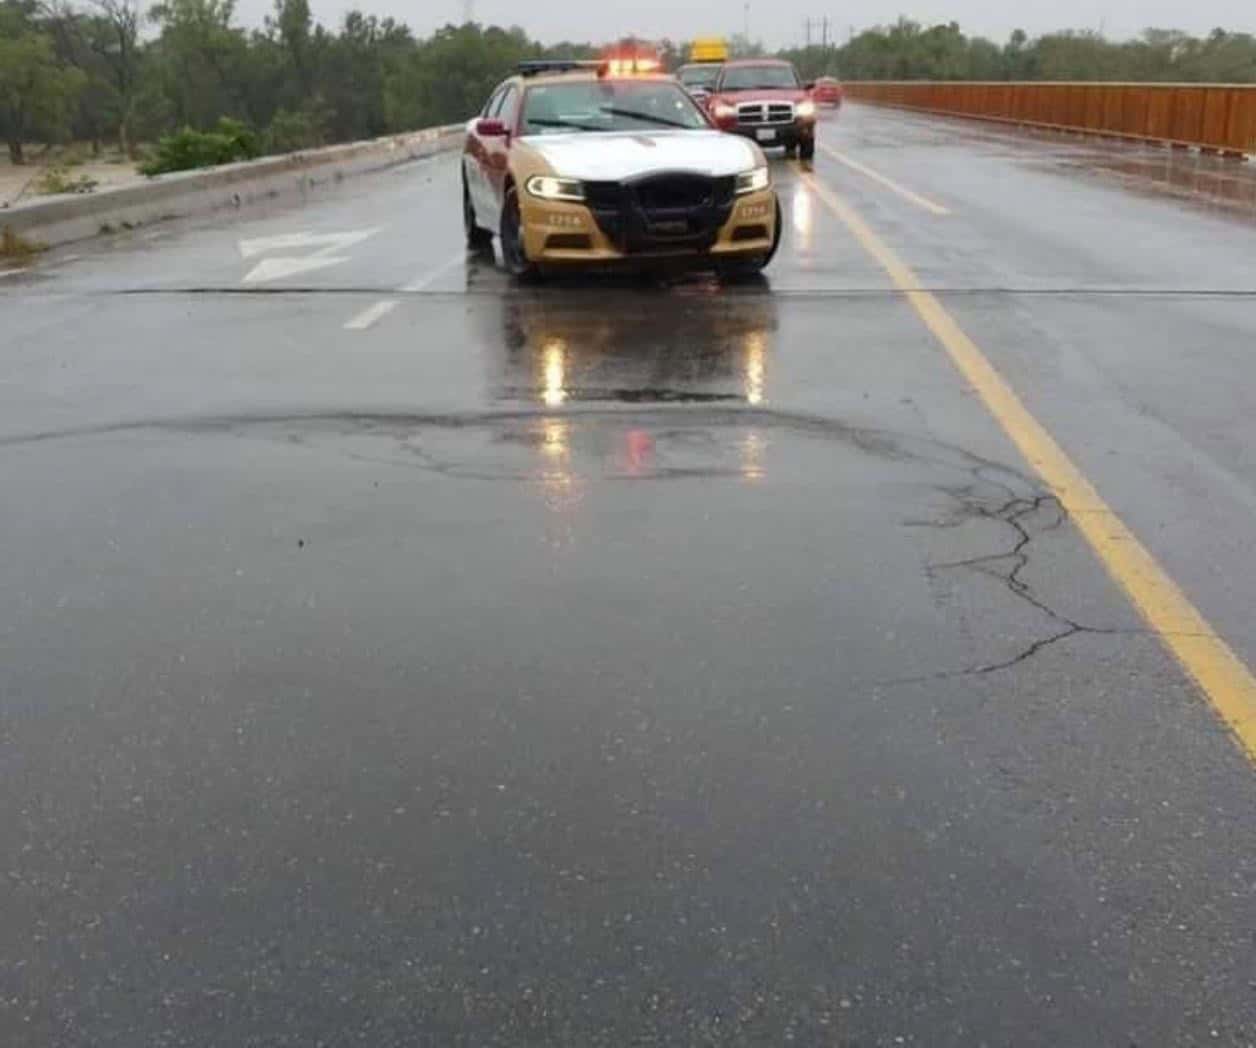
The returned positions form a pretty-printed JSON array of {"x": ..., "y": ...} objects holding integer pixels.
[
  {"x": 805, "y": 108},
  {"x": 723, "y": 111},
  {"x": 548, "y": 187},
  {"x": 753, "y": 181}
]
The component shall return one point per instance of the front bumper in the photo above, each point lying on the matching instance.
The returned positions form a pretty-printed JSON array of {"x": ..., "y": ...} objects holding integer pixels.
[
  {"x": 559, "y": 233},
  {"x": 770, "y": 135}
]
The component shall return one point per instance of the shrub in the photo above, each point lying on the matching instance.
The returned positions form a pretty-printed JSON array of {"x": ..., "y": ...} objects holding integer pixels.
[
  {"x": 228, "y": 142},
  {"x": 291, "y": 131}
]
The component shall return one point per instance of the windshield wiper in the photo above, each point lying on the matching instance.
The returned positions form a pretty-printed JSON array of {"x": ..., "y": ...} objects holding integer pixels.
[
  {"x": 649, "y": 118},
  {"x": 541, "y": 122}
]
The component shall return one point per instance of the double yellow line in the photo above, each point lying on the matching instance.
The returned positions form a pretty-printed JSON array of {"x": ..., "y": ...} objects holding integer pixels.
[{"x": 1224, "y": 679}]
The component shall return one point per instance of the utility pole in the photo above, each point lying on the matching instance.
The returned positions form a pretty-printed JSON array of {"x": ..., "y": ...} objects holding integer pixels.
[
  {"x": 807, "y": 23},
  {"x": 824, "y": 36},
  {"x": 468, "y": 12},
  {"x": 745, "y": 19}
]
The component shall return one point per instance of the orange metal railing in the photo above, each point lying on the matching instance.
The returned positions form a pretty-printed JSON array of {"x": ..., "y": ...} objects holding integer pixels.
[{"x": 1219, "y": 117}]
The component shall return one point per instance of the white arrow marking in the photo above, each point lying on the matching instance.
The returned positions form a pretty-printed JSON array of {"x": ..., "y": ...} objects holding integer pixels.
[
  {"x": 278, "y": 268},
  {"x": 291, "y": 241}
]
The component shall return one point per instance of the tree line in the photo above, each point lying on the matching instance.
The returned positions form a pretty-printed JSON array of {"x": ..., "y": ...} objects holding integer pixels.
[
  {"x": 112, "y": 71},
  {"x": 908, "y": 50}
]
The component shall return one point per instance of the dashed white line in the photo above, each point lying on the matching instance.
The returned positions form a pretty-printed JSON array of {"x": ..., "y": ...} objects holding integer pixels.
[
  {"x": 371, "y": 315},
  {"x": 425, "y": 280},
  {"x": 13, "y": 272}
]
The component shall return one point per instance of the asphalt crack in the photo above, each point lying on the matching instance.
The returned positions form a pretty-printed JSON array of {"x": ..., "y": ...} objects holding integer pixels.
[{"x": 1008, "y": 566}]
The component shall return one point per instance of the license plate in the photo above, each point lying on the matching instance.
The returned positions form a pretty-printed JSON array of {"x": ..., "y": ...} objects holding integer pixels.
[{"x": 765, "y": 134}]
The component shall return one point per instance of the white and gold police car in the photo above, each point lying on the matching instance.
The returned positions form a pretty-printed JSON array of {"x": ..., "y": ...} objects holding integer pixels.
[{"x": 591, "y": 163}]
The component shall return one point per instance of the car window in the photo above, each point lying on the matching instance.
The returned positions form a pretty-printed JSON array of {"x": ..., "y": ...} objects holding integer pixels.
[
  {"x": 609, "y": 105},
  {"x": 508, "y": 108},
  {"x": 493, "y": 101},
  {"x": 749, "y": 77},
  {"x": 699, "y": 76}
]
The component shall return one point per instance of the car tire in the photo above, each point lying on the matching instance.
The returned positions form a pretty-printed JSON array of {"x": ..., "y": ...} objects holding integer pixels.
[
  {"x": 807, "y": 149},
  {"x": 514, "y": 253},
  {"x": 791, "y": 149},
  {"x": 478, "y": 238},
  {"x": 744, "y": 269}
]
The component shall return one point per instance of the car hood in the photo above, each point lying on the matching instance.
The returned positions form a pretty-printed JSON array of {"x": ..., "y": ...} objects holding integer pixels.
[{"x": 616, "y": 156}]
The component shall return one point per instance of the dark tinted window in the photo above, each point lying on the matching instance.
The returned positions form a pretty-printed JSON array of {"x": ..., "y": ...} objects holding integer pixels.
[
  {"x": 748, "y": 77},
  {"x": 700, "y": 76}
]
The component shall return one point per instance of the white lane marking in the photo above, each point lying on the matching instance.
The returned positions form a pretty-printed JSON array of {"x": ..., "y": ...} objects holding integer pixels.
[
  {"x": 278, "y": 268},
  {"x": 889, "y": 183},
  {"x": 371, "y": 315},
  {"x": 326, "y": 242},
  {"x": 13, "y": 272},
  {"x": 425, "y": 280}
]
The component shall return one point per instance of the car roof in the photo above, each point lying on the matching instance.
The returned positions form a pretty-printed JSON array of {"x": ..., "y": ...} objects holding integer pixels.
[{"x": 758, "y": 62}]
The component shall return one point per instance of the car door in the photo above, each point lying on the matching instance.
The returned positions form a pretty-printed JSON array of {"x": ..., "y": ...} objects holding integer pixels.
[
  {"x": 495, "y": 159},
  {"x": 474, "y": 158}
]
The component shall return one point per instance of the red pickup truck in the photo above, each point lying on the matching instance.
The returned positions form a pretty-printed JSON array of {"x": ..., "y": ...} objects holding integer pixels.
[{"x": 763, "y": 99}]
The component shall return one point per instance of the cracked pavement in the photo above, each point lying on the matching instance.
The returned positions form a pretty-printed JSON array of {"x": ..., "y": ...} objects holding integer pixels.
[{"x": 618, "y": 662}]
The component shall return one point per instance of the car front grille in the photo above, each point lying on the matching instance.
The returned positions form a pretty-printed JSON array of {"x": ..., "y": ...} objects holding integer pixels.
[
  {"x": 677, "y": 210},
  {"x": 765, "y": 114}
]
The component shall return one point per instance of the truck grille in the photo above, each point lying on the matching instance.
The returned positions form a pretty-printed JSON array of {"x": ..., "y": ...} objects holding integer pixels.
[{"x": 764, "y": 114}]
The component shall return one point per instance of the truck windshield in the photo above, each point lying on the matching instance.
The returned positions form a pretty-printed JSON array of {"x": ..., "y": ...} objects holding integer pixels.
[
  {"x": 750, "y": 77},
  {"x": 700, "y": 75},
  {"x": 609, "y": 105}
]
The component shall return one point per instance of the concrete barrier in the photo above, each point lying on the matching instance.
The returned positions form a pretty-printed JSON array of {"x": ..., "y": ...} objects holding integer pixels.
[{"x": 63, "y": 220}]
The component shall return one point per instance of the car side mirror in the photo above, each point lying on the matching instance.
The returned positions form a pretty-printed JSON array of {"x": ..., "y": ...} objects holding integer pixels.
[
  {"x": 491, "y": 128},
  {"x": 809, "y": 86}
]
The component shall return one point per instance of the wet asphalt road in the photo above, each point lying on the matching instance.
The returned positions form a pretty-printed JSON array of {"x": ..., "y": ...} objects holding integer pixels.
[{"x": 393, "y": 656}]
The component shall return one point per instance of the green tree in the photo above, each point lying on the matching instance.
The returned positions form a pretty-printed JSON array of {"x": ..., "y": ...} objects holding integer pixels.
[
  {"x": 201, "y": 60},
  {"x": 36, "y": 90},
  {"x": 116, "y": 42}
]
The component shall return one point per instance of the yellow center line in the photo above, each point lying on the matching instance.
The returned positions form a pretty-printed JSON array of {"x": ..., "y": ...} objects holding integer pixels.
[
  {"x": 1227, "y": 683},
  {"x": 889, "y": 183}
]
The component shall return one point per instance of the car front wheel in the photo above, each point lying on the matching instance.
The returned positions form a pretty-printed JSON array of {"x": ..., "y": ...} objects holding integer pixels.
[
  {"x": 514, "y": 252},
  {"x": 477, "y": 238}
]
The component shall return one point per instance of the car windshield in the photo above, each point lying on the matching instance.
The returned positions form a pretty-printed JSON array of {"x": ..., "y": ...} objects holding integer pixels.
[
  {"x": 700, "y": 76},
  {"x": 608, "y": 105},
  {"x": 749, "y": 77}
]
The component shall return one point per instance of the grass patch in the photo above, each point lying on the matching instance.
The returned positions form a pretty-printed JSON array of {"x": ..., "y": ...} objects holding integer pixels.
[{"x": 16, "y": 248}]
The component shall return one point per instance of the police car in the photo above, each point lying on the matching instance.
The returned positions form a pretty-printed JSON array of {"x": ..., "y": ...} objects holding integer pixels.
[{"x": 576, "y": 164}]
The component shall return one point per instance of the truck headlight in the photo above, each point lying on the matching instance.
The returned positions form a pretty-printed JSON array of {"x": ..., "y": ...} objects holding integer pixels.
[
  {"x": 548, "y": 187},
  {"x": 723, "y": 111},
  {"x": 805, "y": 109},
  {"x": 753, "y": 181}
]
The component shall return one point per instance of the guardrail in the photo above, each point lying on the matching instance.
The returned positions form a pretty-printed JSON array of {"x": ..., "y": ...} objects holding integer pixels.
[
  {"x": 1213, "y": 117},
  {"x": 62, "y": 220}
]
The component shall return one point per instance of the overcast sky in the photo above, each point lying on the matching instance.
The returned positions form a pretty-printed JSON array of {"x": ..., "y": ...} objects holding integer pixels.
[{"x": 780, "y": 22}]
